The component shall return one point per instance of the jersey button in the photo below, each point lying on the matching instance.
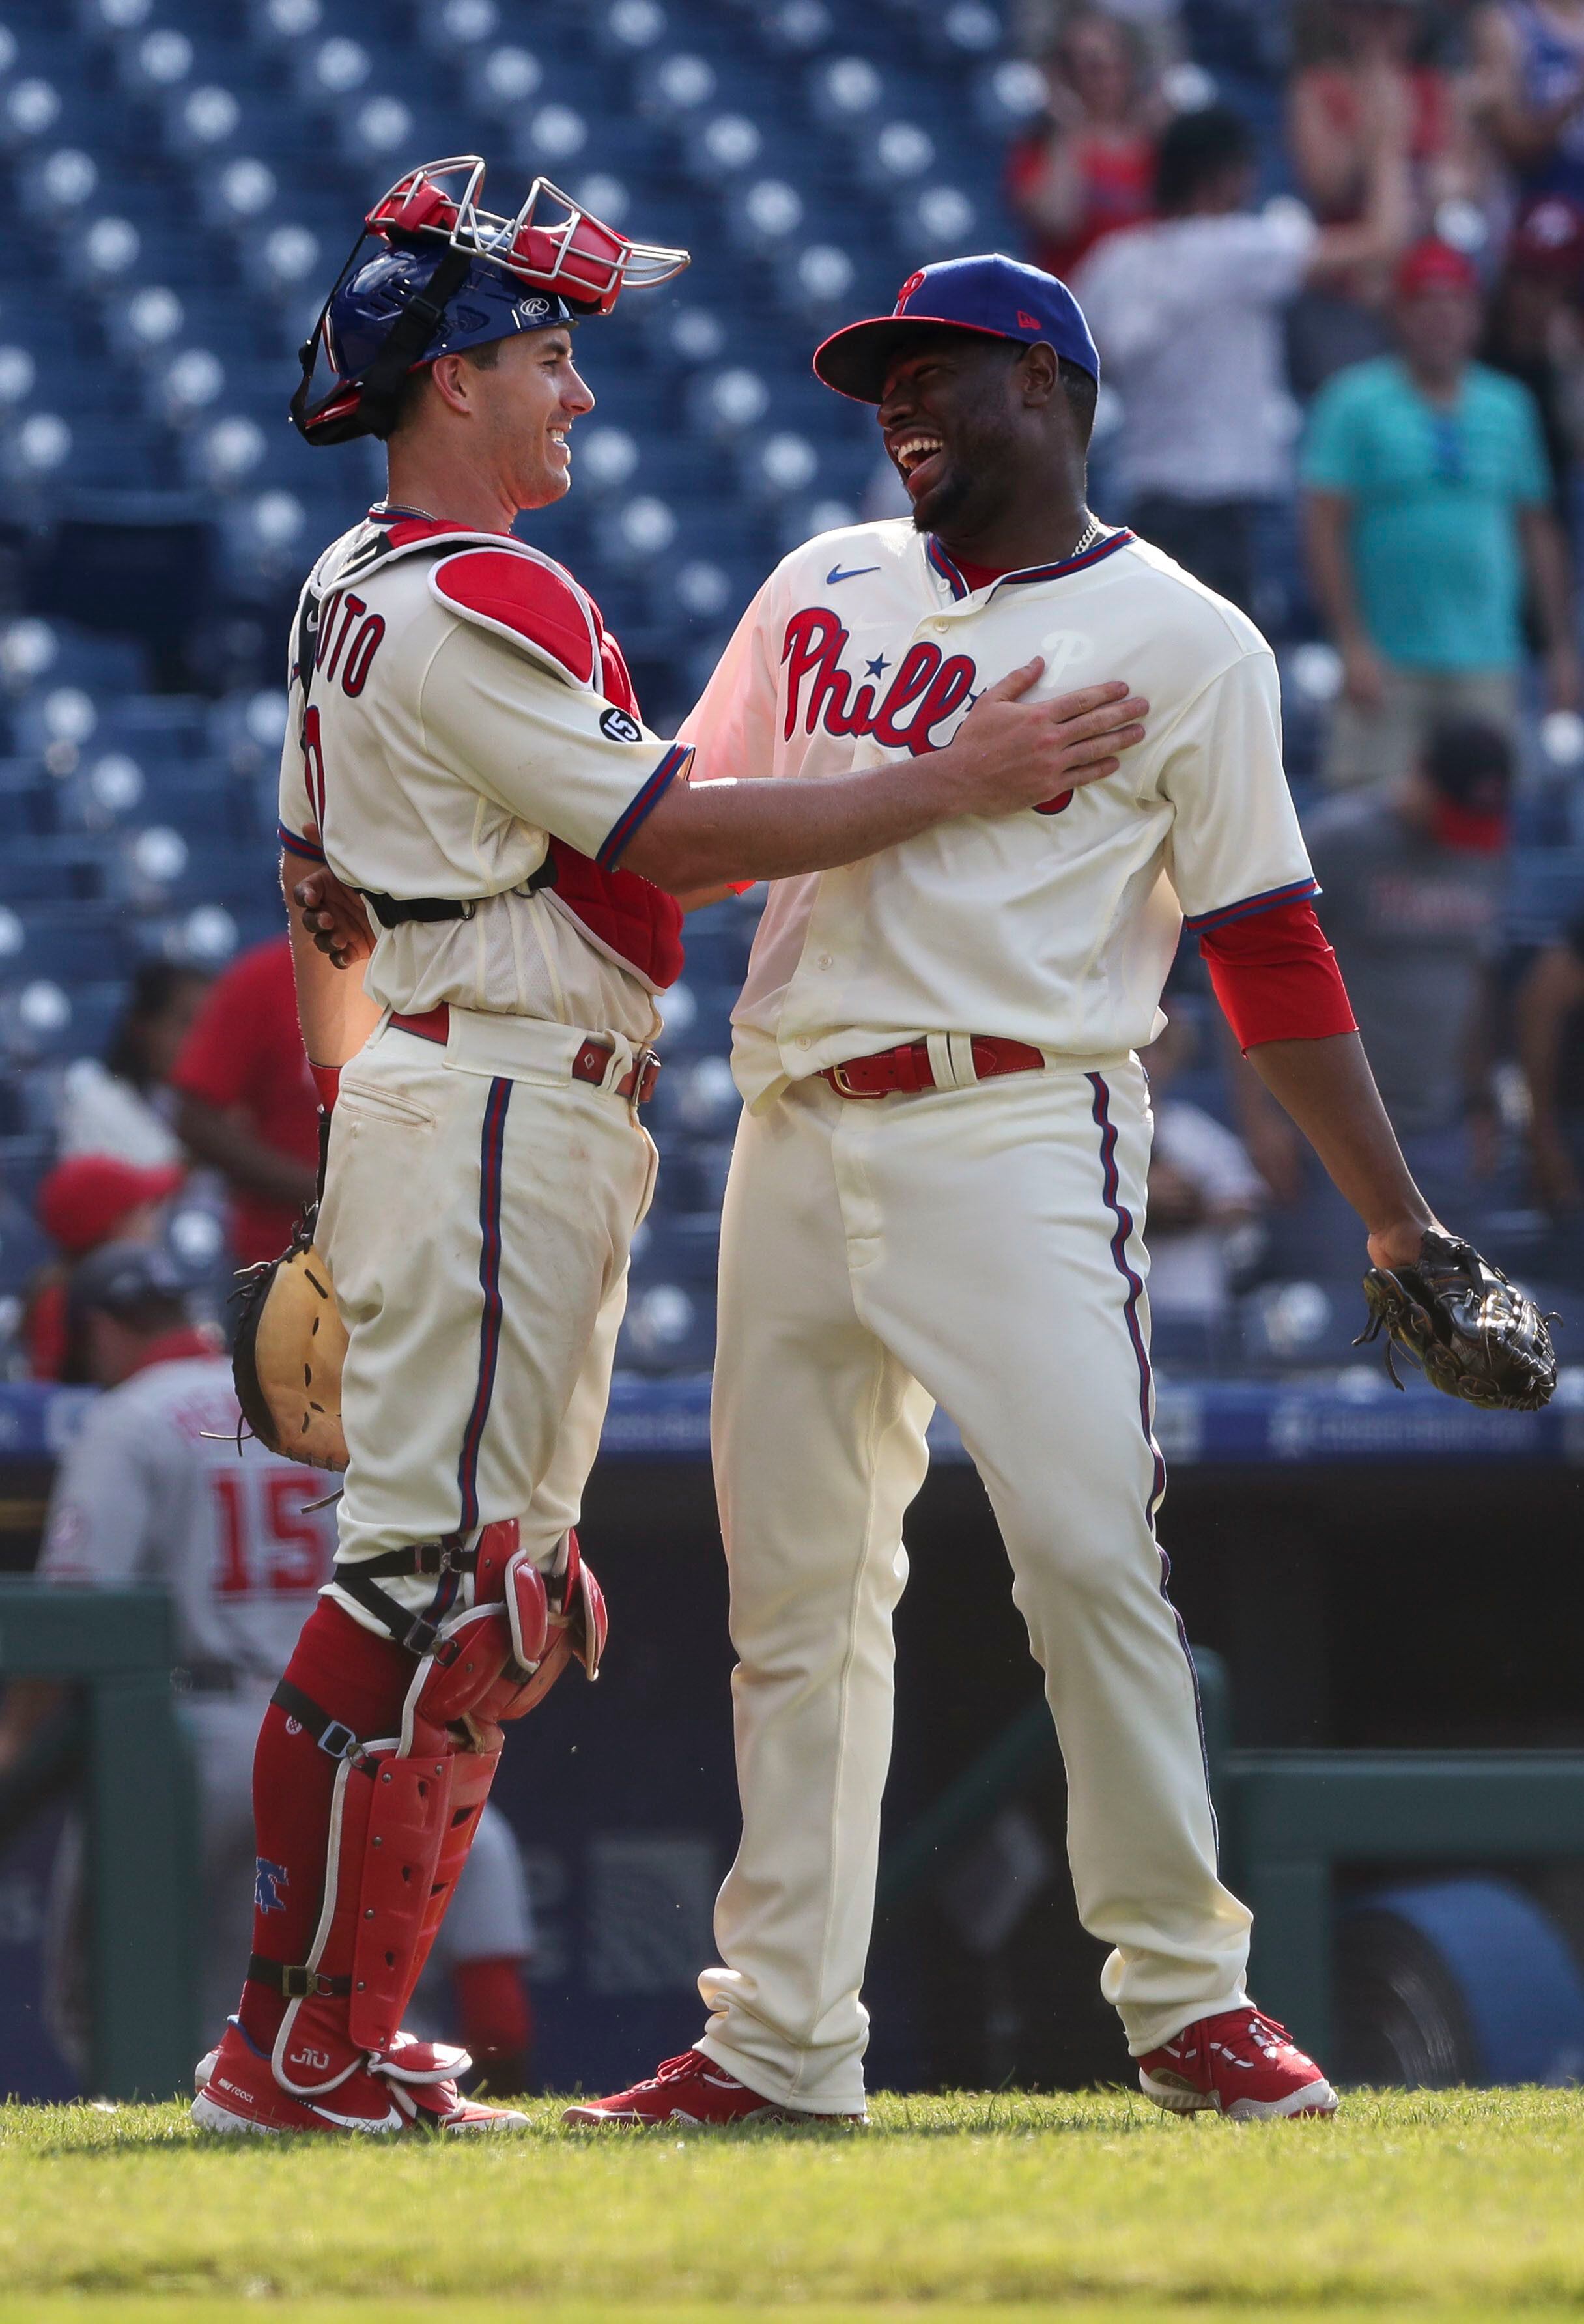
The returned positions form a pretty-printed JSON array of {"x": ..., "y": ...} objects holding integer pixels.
[
  {"x": 825, "y": 960},
  {"x": 805, "y": 1040}
]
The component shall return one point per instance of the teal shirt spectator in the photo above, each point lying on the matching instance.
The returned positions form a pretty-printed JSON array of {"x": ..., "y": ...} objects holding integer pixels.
[{"x": 1435, "y": 494}]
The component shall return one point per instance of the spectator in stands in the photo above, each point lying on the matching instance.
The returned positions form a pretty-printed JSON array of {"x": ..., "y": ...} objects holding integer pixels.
[
  {"x": 1427, "y": 504},
  {"x": 1204, "y": 1190},
  {"x": 1088, "y": 168},
  {"x": 1413, "y": 887},
  {"x": 85, "y": 1201},
  {"x": 1549, "y": 1013},
  {"x": 1529, "y": 59},
  {"x": 1185, "y": 313},
  {"x": 1535, "y": 330},
  {"x": 248, "y": 1107},
  {"x": 1362, "y": 89},
  {"x": 123, "y": 1106}
]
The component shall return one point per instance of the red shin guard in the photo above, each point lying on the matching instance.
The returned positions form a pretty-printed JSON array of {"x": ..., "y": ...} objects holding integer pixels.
[{"x": 359, "y": 1678}]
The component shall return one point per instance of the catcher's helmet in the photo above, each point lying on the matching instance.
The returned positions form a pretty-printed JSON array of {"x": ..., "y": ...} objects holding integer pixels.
[{"x": 432, "y": 273}]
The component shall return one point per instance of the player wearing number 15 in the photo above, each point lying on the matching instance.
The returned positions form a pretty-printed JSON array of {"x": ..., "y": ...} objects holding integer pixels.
[
  {"x": 465, "y": 754},
  {"x": 150, "y": 1490}
]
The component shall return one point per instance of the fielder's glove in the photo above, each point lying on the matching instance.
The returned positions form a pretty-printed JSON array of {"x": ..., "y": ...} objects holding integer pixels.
[
  {"x": 292, "y": 1344},
  {"x": 1472, "y": 1332}
]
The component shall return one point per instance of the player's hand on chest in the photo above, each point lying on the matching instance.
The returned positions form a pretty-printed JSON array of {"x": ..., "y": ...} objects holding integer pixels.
[{"x": 852, "y": 682}]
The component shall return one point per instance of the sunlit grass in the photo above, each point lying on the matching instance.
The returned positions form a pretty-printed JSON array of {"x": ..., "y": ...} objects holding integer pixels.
[{"x": 1094, "y": 2207}]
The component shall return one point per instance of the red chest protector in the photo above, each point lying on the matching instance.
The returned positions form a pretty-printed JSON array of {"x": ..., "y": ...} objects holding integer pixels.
[{"x": 521, "y": 594}]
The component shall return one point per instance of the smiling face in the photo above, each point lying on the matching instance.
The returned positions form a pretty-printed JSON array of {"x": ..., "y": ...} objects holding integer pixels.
[
  {"x": 526, "y": 404},
  {"x": 959, "y": 425},
  {"x": 503, "y": 412}
]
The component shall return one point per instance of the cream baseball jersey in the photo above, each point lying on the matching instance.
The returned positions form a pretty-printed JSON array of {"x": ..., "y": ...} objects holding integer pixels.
[
  {"x": 461, "y": 726},
  {"x": 152, "y": 1490},
  {"x": 1057, "y": 926}
]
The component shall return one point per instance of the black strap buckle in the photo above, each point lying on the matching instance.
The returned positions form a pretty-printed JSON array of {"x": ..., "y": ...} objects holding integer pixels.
[
  {"x": 336, "y": 1739},
  {"x": 332, "y": 1735},
  {"x": 293, "y": 1982}
]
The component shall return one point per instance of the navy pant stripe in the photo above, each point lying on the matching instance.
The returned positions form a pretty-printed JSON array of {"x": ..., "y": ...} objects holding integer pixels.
[
  {"x": 489, "y": 1275},
  {"x": 1123, "y": 1217}
]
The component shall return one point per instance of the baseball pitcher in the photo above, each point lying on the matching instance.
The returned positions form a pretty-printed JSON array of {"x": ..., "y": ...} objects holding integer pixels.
[{"x": 938, "y": 1195}]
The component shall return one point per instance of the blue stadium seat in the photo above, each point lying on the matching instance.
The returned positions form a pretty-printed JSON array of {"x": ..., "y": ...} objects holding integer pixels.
[{"x": 68, "y": 942}]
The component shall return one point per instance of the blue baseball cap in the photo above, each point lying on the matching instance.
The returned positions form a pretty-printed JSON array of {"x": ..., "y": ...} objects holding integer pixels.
[{"x": 998, "y": 297}]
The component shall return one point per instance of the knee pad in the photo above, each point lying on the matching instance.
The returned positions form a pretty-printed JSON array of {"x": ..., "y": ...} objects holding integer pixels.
[
  {"x": 499, "y": 1658},
  {"x": 577, "y": 1625}
]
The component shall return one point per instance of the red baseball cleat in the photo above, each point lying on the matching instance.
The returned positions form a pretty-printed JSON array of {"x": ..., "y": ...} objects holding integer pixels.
[
  {"x": 1239, "y": 2064},
  {"x": 689, "y": 2088},
  {"x": 411, "y": 2089},
  {"x": 240, "y": 2093}
]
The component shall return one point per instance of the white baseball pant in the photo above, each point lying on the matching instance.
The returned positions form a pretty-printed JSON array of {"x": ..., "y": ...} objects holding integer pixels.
[
  {"x": 979, "y": 1247},
  {"x": 478, "y": 1208}
]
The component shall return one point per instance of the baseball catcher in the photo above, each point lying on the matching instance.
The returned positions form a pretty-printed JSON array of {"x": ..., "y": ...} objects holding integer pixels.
[{"x": 467, "y": 763}]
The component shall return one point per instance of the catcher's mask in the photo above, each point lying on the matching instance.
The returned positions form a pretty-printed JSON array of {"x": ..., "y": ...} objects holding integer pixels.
[{"x": 432, "y": 273}]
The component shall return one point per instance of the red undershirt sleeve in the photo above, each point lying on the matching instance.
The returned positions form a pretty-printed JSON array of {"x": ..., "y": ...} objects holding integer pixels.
[{"x": 1276, "y": 977}]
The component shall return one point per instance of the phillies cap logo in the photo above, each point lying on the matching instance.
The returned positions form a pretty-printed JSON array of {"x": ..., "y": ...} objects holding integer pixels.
[{"x": 914, "y": 282}]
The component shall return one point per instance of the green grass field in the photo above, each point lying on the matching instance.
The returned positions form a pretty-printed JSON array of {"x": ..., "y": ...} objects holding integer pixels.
[{"x": 1464, "y": 2204}]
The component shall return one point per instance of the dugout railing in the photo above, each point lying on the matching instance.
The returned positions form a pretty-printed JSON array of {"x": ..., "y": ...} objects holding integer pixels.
[
  {"x": 139, "y": 1800},
  {"x": 1288, "y": 1819}
]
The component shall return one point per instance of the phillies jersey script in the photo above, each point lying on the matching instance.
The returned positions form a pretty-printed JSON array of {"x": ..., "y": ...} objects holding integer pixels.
[
  {"x": 461, "y": 726},
  {"x": 152, "y": 1490},
  {"x": 1056, "y": 926}
]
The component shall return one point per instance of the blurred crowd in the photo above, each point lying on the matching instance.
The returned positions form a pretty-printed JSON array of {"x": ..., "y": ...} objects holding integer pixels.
[{"x": 1333, "y": 258}]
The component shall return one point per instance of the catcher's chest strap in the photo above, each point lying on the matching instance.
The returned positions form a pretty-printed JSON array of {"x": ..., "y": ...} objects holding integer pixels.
[
  {"x": 332, "y": 1735},
  {"x": 293, "y": 1983}
]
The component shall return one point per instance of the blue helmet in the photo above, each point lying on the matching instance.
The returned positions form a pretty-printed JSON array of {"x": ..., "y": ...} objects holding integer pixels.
[{"x": 432, "y": 274}]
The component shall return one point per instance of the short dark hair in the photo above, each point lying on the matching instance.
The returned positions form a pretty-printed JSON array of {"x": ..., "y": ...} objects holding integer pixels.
[
  {"x": 1197, "y": 148},
  {"x": 410, "y": 394},
  {"x": 1081, "y": 390}
]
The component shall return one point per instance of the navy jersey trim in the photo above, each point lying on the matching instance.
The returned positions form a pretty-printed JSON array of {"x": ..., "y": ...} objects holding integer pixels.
[
  {"x": 295, "y": 844},
  {"x": 1205, "y": 923},
  {"x": 943, "y": 565},
  {"x": 638, "y": 810}
]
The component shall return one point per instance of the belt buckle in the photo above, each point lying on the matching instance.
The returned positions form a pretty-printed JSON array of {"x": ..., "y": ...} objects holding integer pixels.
[
  {"x": 646, "y": 1073},
  {"x": 839, "y": 1079}
]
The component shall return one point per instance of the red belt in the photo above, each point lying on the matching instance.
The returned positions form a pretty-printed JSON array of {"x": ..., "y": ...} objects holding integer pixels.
[
  {"x": 591, "y": 1063},
  {"x": 908, "y": 1068}
]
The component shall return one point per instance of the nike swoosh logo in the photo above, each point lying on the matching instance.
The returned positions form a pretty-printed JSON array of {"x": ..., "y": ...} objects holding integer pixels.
[{"x": 836, "y": 574}]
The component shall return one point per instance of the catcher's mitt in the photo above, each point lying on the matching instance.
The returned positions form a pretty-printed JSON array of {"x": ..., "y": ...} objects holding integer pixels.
[
  {"x": 290, "y": 1349},
  {"x": 1474, "y": 1334}
]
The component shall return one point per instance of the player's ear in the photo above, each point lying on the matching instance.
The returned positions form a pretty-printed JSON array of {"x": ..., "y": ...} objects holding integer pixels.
[
  {"x": 452, "y": 377},
  {"x": 1038, "y": 375}
]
